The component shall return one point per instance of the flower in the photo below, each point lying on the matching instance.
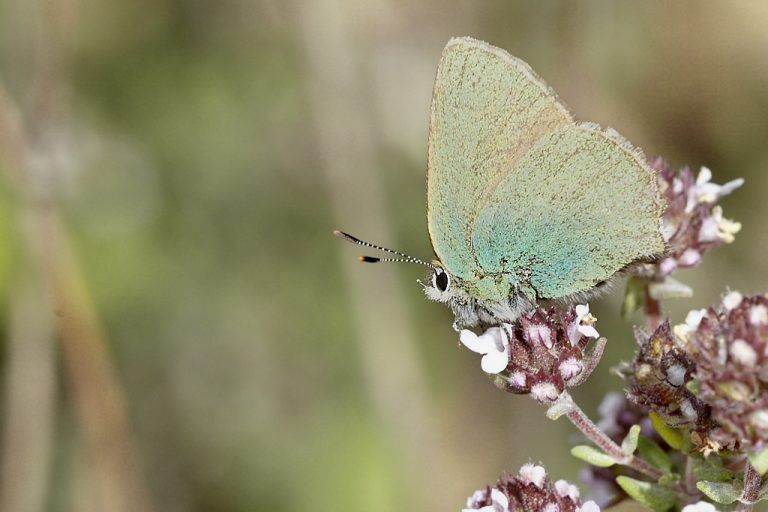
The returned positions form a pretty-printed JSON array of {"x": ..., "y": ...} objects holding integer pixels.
[
  {"x": 541, "y": 354},
  {"x": 715, "y": 228},
  {"x": 709, "y": 374},
  {"x": 703, "y": 191},
  {"x": 731, "y": 371},
  {"x": 492, "y": 344},
  {"x": 692, "y": 223},
  {"x": 530, "y": 490},
  {"x": 660, "y": 372},
  {"x": 701, "y": 506},
  {"x": 498, "y": 501},
  {"x": 583, "y": 323}
]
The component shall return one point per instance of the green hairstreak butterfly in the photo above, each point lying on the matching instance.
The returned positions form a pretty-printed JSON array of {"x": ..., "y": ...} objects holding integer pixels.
[{"x": 524, "y": 204}]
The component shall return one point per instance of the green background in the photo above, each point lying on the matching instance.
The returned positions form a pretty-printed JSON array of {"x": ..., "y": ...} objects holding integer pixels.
[{"x": 199, "y": 154}]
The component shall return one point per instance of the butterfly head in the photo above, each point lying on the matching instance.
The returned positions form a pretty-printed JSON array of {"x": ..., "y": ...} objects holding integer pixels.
[{"x": 439, "y": 286}]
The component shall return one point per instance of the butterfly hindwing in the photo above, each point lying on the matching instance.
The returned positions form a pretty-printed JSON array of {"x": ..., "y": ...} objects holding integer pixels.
[{"x": 576, "y": 208}]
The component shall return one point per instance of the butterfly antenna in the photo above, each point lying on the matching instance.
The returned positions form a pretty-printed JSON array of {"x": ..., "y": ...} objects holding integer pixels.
[{"x": 372, "y": 259}]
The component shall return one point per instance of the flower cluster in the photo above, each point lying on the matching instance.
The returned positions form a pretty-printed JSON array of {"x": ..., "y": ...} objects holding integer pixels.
[
  {"x": 692, "y": 223},
  {"x": 710, "y": 374},
  {"x": 659, "y": 376},
  {"x": 730, "y": 346},
  {"x": 530, "y": 491},
  {"x": 541, "y": 354}
]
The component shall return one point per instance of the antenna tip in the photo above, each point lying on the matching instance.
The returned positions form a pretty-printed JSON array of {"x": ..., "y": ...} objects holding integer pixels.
[
  {"x": 369, "y": 259},
  {"x": 345, "y": 236}
]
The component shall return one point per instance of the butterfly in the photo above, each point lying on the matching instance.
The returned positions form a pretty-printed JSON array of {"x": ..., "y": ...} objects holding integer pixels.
[{"x": 524, "y": 204}]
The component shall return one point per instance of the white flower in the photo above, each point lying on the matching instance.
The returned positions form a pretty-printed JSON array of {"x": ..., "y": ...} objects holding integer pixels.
[
  {"x": 706, "y": 192},
  {"x": 717, "y": 229},
  {"x": 688, "y": 410},
  {"x": 743, "y": 353},
  {"x": 668, "y": 265},
  {"x": 544, "y": 392},
  {"x": 758, "y": 315},
  {"x": 692, "y": 321},
  {"x": 676, "y": 375},
  {"x": 494, "y": 346},
  {"x": 533, "y": 474},
  {"x": 732, "y": 300},
  {"x": 570, "y": 368},
  {"x": 517, "y": 379},
  {"x": 689, "y": 258},
  {"x": 583, "y": 323},
  {"x": 701, "y": 506},
  {"x": 539, "y": 333},
  {"x": 567, "y": 489},
  {"x": 759, "y": 419},
  {"x": 499, "y": 502},
  {"x": 589, "y": 506}
]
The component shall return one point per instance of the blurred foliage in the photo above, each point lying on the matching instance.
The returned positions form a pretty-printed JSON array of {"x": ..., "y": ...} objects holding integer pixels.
[{"x": 193, "y": 173}]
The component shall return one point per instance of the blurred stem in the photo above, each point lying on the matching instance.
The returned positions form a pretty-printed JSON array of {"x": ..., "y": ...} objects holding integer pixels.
[
  {"x": 652, "y": 309},
  {"x": 690, "y": 477},
  {"x": 113, "y": 460},
  {"x": 334, "y": 47},
  {"x": 582, "y": 422},
  {"x": 752, "y": 483},
  {"x": 30, "y": 393}
]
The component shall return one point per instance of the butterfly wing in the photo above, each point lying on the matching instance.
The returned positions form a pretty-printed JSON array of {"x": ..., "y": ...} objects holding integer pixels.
[
  {"x": 579, "y": 205},
  {"x": 488, "y": 110}
]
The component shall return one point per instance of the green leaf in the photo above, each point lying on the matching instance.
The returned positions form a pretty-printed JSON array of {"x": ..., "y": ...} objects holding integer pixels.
[
  {"x": 669, "y": 480},
  {"x": 633, "y": 297},
  {"x": 672, "y": 436},
  {"x": 720, "y": 492},
  {"x": 711, "y": 469},
  {"x": 759, "y": 461},
  {"x": 654, "y": 454},
  {"x": 653, "y": 496},
  {"x": 629, "y": 444},
  {"x": 592, "y": 456}
]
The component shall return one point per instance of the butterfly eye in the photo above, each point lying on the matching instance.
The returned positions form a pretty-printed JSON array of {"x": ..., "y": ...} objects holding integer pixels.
[{"x": 440, "y": 280}]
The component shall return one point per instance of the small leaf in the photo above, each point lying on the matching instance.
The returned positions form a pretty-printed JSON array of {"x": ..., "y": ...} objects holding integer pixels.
[
  {"x": 759, "y": 461},
  {"x": 563, "y": 405},
  {"x": 633, "y": 297},
  {"x": 669, "y": 480},
  {"x": 711, "y": 469},
  {"x": 653, "y": 496},
  {"x": 669, "y": 288},
  {"x": 720, "y": 492},
  {"x": 629, "y": 444},
  {"x": 592, "y": 456},
  {"x": 672, "y": 436},
  {"x": 654, "y": 454}
]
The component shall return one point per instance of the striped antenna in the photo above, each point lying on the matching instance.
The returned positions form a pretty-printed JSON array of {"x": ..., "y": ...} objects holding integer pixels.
[{"x": 372, "y": 259}]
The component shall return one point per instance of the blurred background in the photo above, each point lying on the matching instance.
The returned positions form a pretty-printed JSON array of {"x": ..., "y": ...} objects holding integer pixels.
[{"x": 179, "y": 329}]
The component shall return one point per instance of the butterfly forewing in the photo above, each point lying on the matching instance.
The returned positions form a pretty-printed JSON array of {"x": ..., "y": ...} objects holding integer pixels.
[{"x": 488, "y": 110}]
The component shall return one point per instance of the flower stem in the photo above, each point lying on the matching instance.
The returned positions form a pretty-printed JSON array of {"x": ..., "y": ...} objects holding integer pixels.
[
  {"x": 751, "y": 492},
  {"x": 597, "y": 436},
  {"x": 652, "y": 309}
]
